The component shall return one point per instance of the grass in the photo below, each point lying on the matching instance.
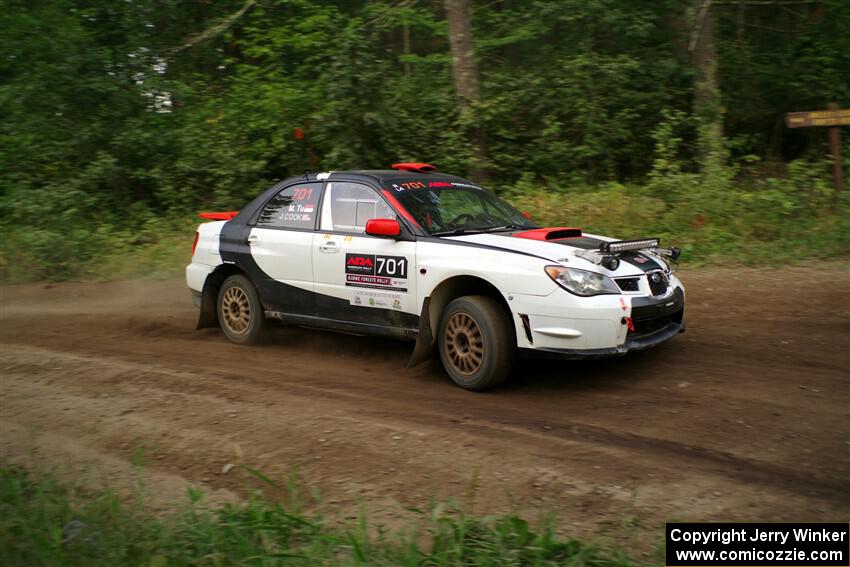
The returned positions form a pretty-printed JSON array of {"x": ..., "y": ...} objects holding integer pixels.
[{"x": 43, "y": 522}]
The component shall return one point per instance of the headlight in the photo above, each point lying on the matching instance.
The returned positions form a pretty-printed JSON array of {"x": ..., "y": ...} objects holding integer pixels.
[{"x": 581, "y": 282}]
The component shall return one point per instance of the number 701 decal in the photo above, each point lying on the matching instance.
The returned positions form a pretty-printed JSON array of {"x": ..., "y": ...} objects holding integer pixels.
[{"x": 392, "y": 266}]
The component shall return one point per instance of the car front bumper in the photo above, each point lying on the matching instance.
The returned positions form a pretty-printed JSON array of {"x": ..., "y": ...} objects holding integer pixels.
[
  {"x": 602, "y": 326},
  {"x": 631, "y": 344}
]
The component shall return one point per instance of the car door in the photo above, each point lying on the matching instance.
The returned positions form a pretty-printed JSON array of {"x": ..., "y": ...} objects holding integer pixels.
[
  {"x": 281, "y": 245},
  {"x": 359, "y": 278}
]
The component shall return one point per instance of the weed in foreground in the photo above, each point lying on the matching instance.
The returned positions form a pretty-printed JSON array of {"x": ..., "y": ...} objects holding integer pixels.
[{"x": 46, "y": 523}]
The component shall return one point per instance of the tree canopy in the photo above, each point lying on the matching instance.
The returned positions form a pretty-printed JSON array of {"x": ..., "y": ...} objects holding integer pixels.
[{"x": 167, "y": 105}]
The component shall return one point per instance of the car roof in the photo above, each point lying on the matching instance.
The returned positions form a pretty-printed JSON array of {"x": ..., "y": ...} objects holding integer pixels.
[
  {"x": 384, "y": 176},
  {"x": 380, "y": 177}
]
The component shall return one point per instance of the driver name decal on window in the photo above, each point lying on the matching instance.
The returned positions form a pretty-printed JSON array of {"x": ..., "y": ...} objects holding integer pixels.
[
  {"x": 293, "y": 207},
  {"x": 376, "y": 271}
]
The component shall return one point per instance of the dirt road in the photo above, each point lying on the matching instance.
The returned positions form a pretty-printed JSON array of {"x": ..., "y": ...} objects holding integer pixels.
[{"x": 744, "y": 417}]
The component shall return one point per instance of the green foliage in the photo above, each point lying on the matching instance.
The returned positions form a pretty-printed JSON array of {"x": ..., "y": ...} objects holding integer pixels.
[
  {"x": 712, "y": 217},
  {"x": 782, "y": 59},
  {"x": 108, "y": 125},
  {"x": 45, "y": 523}
]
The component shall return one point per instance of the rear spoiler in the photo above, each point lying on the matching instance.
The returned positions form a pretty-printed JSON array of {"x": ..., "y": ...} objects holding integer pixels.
[{"x": 227, "y": 215}]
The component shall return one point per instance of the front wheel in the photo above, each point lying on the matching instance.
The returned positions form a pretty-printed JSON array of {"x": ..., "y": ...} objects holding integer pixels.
[
  {"x": 240, "y": 314},
  {"x": 476, "y": 342}
]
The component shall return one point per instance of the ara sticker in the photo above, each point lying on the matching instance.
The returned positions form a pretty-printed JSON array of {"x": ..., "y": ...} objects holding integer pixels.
[{"x": 623, "y": 305}]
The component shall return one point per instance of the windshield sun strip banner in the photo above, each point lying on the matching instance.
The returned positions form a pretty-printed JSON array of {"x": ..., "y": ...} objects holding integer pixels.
[{"x": 400, "y": 208}]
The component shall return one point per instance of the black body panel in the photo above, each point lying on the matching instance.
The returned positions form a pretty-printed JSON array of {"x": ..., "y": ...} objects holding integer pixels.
[
  {"x": 274, "y": 295},
  {"x": 644, "y": 308}
]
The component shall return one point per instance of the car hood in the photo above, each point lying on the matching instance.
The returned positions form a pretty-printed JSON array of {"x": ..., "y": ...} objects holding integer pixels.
[{"x": 563, "y": 251}]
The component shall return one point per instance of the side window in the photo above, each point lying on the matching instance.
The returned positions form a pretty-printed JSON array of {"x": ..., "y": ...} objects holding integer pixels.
[
  {"x": 349, "y": 205},
  {"x": 293, "y": 207}
]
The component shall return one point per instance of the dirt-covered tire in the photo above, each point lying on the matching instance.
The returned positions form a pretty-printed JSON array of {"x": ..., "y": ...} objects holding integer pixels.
[
  {"x": 476, "y": 342},
  {"x": 240, "y": 314}
]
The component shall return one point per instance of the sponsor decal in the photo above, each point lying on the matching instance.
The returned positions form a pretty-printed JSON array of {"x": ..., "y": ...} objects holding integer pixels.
[
  {"x": 360, "y": 264},
  {"x": 370, "y": 270},
  {"x": 354, "y": 280},
  {"x": 640, "y": 259},
  {"x": 623, "y": 305},
  {"x": 378, "y": 299},
  {"x": 439, "y": 184}
]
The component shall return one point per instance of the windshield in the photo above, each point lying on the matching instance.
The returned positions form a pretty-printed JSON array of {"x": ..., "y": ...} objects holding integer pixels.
[{"x": 450, "y": 209}]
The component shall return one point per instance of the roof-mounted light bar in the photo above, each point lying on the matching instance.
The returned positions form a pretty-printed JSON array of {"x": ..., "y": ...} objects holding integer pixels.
[{"x": 626, "y": 245}]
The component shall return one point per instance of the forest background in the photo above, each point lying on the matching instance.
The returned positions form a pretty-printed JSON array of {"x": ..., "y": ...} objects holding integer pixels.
[{"x": 122, "y": 119}]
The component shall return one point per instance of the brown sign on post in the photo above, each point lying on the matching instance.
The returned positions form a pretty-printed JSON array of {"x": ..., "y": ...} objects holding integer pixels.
[
  {"x": 833, "y": 118},
  {"x": 818, "y": 118}
]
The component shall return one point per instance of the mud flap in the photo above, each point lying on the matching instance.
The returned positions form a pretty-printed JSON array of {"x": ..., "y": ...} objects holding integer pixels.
[
  {"x": 425, "y": 339},
  {"x": 208, "y": 316}
]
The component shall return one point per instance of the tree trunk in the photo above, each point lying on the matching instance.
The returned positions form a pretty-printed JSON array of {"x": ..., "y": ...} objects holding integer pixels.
[
  {"x": 707, "y": 104},
  {"x": 465, "y": 74}
]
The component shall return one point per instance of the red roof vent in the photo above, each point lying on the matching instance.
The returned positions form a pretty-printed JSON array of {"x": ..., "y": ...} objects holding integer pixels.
[
  {"x": 417, "y": 167},
  {"x": 550, "y": 233}
]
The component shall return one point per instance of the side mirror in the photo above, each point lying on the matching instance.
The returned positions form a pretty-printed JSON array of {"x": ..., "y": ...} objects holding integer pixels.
[{"x": 383, "y": 227}]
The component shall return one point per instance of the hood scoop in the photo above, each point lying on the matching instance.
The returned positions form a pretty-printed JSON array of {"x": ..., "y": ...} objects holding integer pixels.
[{"x": 549, "y": 233}]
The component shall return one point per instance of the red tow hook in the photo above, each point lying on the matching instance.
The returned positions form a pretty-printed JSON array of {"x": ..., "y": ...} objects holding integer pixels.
[{"x": 628, "y": 321}]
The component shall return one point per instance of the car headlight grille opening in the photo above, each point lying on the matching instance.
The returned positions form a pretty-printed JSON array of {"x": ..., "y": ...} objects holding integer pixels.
[
  {"x": 628, "y": 284},
  {"x": 659, "y": 283}
]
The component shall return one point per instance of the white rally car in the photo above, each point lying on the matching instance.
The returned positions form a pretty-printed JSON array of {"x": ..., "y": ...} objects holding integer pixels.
[{"x": 415, "y": 254}]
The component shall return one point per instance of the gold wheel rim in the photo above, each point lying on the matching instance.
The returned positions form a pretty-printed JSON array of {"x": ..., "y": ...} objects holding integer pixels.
[
  {"x": 464, "y": 343},
  {"x": 236, "y": 308}
]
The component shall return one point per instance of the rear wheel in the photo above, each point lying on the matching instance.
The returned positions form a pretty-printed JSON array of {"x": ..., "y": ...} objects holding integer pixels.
[
  {"x": 240, "y": 314},
  {"x": 476, "y": 342}
]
